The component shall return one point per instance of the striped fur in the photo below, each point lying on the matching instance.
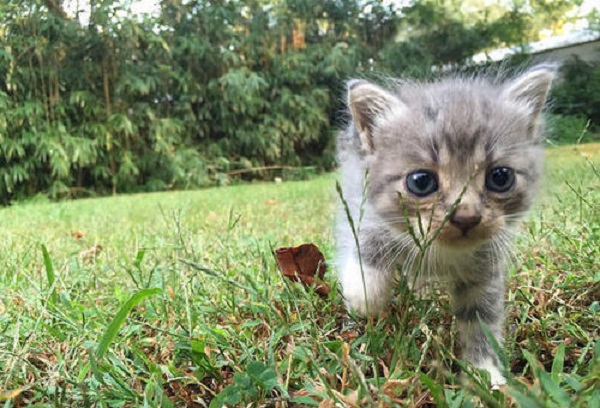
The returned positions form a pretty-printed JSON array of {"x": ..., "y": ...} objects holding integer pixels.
[{"x": 458, "y": 129}]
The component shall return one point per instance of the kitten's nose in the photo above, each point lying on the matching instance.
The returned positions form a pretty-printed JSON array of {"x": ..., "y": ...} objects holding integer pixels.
[{"x": 465, "y": 221}]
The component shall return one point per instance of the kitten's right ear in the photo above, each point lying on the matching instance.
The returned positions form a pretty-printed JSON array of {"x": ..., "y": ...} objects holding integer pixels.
[
  {"x": 366, "y": 101},
  {"x": 533, "y": 86}
]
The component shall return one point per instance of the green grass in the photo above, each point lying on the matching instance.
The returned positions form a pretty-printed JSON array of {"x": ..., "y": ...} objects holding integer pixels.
[{"x": 183, "y": 305}]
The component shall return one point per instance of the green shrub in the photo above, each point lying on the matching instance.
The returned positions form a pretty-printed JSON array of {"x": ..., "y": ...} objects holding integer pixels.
[
  {"x": 568, "y": 129},
  {"x": 183, "y": 98},
  {"x": 577, "y": 93}
]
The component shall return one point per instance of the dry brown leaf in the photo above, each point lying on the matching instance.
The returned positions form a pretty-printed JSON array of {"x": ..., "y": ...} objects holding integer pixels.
[
  {"x": 350, "y": 335},
  {"x": 303, "y": 392},
  {"x": 384, "y": 368},
  {"x": 393, "y": 387},
  {"x": 270, "y": 202},
  {"x": 304, "y": 264},
  {"x": 77, "y": 234},
  {"x": 91, "y": 253},
  {"x": 351, "y": 400},
  {"x": 7, "y": 395},
  {"x": 328, "y": 403}
]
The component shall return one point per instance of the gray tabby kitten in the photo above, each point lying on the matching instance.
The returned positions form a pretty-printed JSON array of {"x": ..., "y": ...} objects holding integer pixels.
[{"x": 463, "y": 156}]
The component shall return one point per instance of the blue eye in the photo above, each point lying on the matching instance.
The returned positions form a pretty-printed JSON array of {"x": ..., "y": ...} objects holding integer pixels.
[
  {"x": 500, "y": 179},
  {"x": 422, "y": 183}
]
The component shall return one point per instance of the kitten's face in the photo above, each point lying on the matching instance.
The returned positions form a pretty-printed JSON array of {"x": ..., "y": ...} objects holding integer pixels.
[{"x": 460, "y": 156}]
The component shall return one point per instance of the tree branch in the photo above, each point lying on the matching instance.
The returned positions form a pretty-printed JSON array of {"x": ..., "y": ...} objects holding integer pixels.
[{"x": 56, "y": 8}]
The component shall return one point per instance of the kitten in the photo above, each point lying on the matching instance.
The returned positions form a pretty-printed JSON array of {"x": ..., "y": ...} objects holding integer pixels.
[{"x": 460, "y": 156}]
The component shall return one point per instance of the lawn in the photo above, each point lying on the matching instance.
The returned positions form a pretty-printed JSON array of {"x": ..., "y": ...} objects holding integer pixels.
[{"x": 174, "y": 299}]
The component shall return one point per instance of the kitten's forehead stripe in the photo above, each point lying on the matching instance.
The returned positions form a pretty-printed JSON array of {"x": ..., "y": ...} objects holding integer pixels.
[
  {"x": 432, "y": 113},
  {"x": 461, "y": 144},
  {"x": 432, "y": 149}
]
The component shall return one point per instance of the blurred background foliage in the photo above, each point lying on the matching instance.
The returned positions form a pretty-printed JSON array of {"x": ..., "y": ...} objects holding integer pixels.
[{"x": 201, "y": 93}]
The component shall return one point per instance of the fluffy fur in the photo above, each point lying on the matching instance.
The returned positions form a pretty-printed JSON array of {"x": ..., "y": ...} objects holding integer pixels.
[{"x": 458, "y": 130}]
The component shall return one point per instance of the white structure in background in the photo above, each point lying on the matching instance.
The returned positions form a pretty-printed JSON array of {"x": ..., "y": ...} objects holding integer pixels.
[
  {"x": 585, "y": 44},
  {"x": 81, "y": 9}
]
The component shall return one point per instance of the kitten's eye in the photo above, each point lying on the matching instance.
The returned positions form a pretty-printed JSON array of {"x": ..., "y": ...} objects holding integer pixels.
[
  {"x": 500, "y": 179},
  {"x": 422, "y": 183}
]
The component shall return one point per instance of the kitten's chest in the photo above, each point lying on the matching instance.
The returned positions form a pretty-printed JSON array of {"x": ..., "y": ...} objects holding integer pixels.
[{"x": 445, "y": 264}]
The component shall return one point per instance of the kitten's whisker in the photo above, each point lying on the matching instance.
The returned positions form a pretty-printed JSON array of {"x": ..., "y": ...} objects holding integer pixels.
[
  {"x": 390, "y": 248},
  {"x": 501, "y": 244},
  {"x": 396, "y": 219},
  {"x": 413, "y": 256},
  {"x": 401, "y": 247},
  {"x": 429, "y": 263},
  {"x": 394, "y": 246},
  {"x": 496, "y": 251},
  {"x": 506, "y": 238},
  {"x": 515, "y": 216},
  {"x": 396, "y": 224}
]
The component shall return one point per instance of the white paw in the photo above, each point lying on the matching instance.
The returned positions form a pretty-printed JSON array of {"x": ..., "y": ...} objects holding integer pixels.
[
  {"x": 497, "y": 380},
  {"x": 367, "y": 297}
]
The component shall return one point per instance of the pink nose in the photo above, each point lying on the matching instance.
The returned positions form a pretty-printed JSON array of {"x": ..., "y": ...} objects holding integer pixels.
[{"x": 465, "y": 222}]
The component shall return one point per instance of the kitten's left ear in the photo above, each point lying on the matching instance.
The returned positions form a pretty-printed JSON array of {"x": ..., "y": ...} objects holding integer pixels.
[{"x": 532, "y": 87}]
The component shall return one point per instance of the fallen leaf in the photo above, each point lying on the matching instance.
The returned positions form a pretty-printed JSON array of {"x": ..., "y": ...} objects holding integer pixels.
[
  {"x": 394, "y": 388},
  {"x": 304, "y": 264},
  {"x": 305, "y": 259},
  {"x": 8, "y": 395},
  {"x": 77, "y": 234},
  {"x": 349, "y": 335},
  {"x": 384, "y": 367},
  {"x": 271, "y": 201},
  {"x": 328, "y": 403},
  {"x": 91, "y": 253},
  {"x": 351, "y": 400}
]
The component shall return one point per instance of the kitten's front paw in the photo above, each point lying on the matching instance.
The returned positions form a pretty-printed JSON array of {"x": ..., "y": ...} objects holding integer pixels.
[
  {"x": 369, "y": 299},
  {"x": 497, "y": 380}
]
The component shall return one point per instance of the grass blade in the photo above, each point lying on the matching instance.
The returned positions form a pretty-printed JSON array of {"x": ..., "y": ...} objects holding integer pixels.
[
  {"x": 49, "y": 274},
  {"x": 119, "y": 319},
  {"x": 504, "y": 366},
  {"x": 217, "y": 275},
  {"x": 524, "y": 400},
  {"x": 437, "y": 391},
  {"x": 558, "y": 363}
]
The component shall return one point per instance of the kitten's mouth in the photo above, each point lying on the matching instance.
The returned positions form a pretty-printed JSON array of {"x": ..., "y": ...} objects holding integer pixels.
[{"x": 455, "y": 237}]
